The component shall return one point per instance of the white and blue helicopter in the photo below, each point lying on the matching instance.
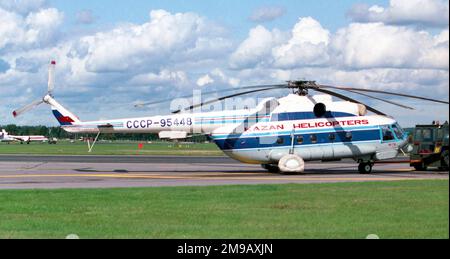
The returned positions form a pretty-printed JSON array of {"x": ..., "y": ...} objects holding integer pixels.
[{"x": 280, "y": 134}]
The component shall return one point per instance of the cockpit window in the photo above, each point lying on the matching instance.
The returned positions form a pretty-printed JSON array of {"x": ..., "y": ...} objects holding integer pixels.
[
  {"x": 398, "y": 131},
  {"x": 387, "y": 133}
]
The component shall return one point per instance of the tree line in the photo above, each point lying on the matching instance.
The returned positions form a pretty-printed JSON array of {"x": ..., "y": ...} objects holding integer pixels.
[{"x": 59, "y": 133}]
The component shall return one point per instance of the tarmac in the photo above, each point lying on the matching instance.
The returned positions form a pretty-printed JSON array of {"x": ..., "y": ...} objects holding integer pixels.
[{"x": 57, "y": 172}]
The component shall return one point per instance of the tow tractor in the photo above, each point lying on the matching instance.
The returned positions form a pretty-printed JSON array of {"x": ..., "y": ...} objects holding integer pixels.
[{"x": 430, "y": 147}]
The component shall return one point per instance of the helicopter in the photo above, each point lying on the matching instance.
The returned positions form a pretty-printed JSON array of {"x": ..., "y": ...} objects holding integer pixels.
[{"x": 280, "y": 134}]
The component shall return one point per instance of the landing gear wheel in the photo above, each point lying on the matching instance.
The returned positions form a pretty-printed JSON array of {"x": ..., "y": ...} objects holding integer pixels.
[
  {"x": 444, "y": 161},
  {"x": 365, "y": 168},
  {"x": 291, "y": 164},
  {"x": 420, "y": 167},
  {"x": 271, "y": 168}
]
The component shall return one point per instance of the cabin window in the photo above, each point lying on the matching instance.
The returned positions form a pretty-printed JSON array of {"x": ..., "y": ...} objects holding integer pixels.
[
  {"x": 313, "y": 138},
  {"x": 280, "y": 140},
  {"x": 300, "y": 140},
  {"x": 387, "y": 133},
  {"x": 332, "y": 137},
  {"x": 348, "y": 135}
]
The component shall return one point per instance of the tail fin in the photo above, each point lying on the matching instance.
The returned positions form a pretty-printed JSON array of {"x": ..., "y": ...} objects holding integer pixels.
[{"x": 64, "y": 116}]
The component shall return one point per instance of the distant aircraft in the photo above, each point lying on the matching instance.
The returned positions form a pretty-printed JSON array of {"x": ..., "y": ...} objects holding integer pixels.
[{"x": 5, "y": 137}]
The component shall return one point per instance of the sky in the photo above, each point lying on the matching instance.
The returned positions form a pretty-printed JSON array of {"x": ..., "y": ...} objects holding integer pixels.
[{"x": 110, "y": 56}]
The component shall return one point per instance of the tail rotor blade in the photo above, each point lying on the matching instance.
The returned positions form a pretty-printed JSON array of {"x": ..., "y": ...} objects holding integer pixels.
[
  {"x": 51, "y": 77},
  {"x": 26, "y": 108}
]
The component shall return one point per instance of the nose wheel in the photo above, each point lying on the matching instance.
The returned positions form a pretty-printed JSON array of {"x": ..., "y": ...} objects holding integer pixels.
[{"x": 365, "y": 168}]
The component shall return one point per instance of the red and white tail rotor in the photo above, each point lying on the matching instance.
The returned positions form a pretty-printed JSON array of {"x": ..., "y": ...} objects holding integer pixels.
[{"x": 50, "y": 88}]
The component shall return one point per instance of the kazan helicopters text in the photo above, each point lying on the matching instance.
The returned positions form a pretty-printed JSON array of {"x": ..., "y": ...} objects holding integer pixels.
[{"x": 280, "y": 134}]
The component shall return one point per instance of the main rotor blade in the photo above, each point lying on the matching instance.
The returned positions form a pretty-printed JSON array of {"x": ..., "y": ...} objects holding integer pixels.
[
  {"x": 226, "y": 97},
  {"x": 384, "y": 92},
  {"x": 346, "y": 98},
  {"x": 27, "y": 107},
  {"x": 210, "y": 92},
  {"x": 380, "y": 99}
]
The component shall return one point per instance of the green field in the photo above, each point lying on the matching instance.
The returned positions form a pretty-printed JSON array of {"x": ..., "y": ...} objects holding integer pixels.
[
  {"x": 404, "y": 209},
  {"x": 112, "y": 148}
]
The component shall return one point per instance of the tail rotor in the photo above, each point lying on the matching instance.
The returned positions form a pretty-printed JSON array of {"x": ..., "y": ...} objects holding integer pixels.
[{"x": 51, "y": 87}]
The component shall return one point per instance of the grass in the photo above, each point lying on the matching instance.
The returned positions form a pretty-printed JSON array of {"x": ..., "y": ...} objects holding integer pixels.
[
  {"x": 112, "y": 148},
  {"x": 404, "y": 209}
]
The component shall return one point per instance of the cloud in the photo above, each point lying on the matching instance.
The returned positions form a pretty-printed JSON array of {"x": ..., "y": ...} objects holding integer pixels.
[
  {"x": 267, "y": 13},
  {"x": 144, "y": 61},
  {"x": 219, "y": 78},
  {"x": 257, "y": 48},
  {"x": 36, "y": 29},
  {"x": 306, "y": 44},
  {"x": 85, "y": 17},
  {"x": 376, "y": 45},
  {"x": 205, "y": 80},
  {"x": 223, "y": 78},
  {"x": 434, "y": 13},
  {"x": 22, "y": 7},
  {"x": 166, "y": 37},
  {"x": 357, "y": 46},
  {"x": 164, "y": 77}
]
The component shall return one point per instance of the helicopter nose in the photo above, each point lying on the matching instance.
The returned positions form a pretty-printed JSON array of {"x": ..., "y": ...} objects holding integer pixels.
[
  {"x": 409, "y": 148},
  {"x": 405, "y": 146}
]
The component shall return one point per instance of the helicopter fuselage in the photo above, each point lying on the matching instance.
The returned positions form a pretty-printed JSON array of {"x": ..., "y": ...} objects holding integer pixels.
[{"x": 262, "y": 136}]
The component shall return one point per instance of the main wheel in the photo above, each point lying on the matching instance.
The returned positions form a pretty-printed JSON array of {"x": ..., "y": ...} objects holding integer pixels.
[
  {"x": 444, "y": 161},
  {"x": 420, "y": 166},
  {"x": 291, "y": 164},
  {"x": 365, "y": 168}
]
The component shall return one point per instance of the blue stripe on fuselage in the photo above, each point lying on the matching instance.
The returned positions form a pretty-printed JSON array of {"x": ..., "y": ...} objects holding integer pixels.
[
  {"x": 280, "y": 141},
  {"x": 297, "y": 132}
]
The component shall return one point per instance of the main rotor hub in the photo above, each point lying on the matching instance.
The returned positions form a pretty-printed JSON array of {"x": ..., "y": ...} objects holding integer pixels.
[{"x": 301, "y": 87}]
